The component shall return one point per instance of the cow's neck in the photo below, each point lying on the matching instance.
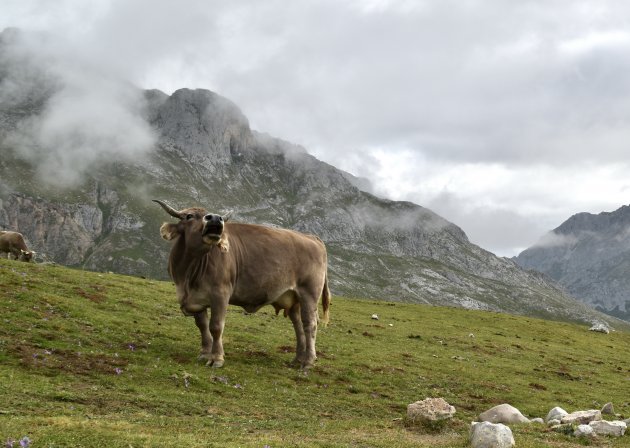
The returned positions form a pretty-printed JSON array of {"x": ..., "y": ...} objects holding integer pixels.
[{"x": 187, "y": 266}]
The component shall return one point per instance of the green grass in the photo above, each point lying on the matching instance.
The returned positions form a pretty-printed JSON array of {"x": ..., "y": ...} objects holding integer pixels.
[{"x": 64, "y": 335}]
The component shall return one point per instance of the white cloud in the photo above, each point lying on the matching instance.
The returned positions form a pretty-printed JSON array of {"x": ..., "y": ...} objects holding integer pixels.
[
  {"x": 594, "y": 41},
  {"x": 502, "y": 116}
]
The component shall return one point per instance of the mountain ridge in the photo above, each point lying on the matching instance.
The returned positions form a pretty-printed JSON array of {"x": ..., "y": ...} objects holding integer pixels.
[
  {"x": 205, "y": 154},
  {"x": 589, "y": 254}
]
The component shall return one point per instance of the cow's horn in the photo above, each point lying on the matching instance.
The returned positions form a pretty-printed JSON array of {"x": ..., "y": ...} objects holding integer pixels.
[{"x": 170, "y": 210}]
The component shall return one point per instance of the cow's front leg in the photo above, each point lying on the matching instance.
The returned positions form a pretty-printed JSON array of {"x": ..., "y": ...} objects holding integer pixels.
[
  {"x": 203, "y": 323},
  {"x": 217, "y": 322}
]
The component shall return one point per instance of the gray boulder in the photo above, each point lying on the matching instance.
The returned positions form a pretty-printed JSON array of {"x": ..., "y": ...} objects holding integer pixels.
[
  {"x": 605, "y": 428},
  {"x": 584, "y": 431},
  {"x": 490, "y": 435},
  {"x": 582, "y": 417},
  {"x": 503, "y": 413}
]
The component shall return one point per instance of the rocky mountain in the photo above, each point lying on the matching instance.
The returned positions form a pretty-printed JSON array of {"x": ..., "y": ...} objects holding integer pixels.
[
  {"x": 590, "y": 256},
  {"x": 205, "y": 153}
]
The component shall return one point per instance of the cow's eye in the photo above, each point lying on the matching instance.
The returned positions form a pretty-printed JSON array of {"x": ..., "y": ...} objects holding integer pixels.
[{"x": 189, "y": 216}]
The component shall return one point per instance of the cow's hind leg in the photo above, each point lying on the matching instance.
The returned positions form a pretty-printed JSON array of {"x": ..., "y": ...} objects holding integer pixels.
[
  {"x": 203, "y": 323},
  {"x": 300, "y": 347},
  {"x": 308, "y": 313}
]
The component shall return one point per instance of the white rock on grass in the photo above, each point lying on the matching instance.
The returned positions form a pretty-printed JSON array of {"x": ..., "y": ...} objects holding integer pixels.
[
  {"x": 503, "y": 413},
  {"x": 582, "y": 417},
  {"x": 600, "y": 328},
  {"x": 554, "y": 422},
  {"x": 584, "y": 431},
  {"x": 430, "y": 410},
  {"x": 556, "y": 414},
  {"x": 605, "y": 428},
  {"x": 490, "y": 435},
  {"x": 538, "y": 420}
]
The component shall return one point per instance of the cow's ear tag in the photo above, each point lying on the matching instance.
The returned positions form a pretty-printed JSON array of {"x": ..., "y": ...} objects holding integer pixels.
[{"x": 168, "y": 231}]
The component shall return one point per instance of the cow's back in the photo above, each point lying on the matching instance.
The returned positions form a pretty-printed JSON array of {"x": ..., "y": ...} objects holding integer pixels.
[
  {"x": 11, "y": 241},
  {"x": 267, "y": 258}
]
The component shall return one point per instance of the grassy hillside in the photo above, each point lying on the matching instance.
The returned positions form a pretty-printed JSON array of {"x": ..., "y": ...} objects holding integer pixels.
[{"x": 90, "y": 359}]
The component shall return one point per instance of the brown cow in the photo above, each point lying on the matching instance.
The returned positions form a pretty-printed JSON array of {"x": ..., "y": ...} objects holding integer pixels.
[
  {"x": 215, "y": 264},
  {"x": 12, "y": 243}
]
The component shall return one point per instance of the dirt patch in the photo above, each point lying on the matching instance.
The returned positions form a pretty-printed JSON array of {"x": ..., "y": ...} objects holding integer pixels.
[
  {"x": 286, "y": 349},
  {"x": 96, "y": 296},
  {"x": 257, "y": 354},
  {"x": 69, "y": 361},
  {"x": 182, "y": 358}
]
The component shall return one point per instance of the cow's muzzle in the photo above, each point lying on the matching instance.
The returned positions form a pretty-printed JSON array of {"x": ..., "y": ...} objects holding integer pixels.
[{"x": 212, "y": 228}]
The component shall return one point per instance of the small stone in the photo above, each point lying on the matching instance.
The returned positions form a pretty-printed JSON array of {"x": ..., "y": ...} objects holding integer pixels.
[
  {"x": 538, "y": 420},
  {"x": 430, "y": 409},
  {"x": 608, "y": 409},
  {"x": 375, "y": 316},
  {"x": 600, "y": 328},
  {"x": 490, "y": 435},
  {"x": 556, "y": 414},
  {"x": 554, "y": 422}
]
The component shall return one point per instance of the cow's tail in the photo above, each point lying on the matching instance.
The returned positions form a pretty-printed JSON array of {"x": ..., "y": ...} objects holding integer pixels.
[{"x": 325, "y": 302}]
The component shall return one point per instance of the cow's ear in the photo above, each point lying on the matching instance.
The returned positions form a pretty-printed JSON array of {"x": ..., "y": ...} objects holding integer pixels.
[
  {"x": 168, "y": 231},
  {"x": 228, "y": 215}
]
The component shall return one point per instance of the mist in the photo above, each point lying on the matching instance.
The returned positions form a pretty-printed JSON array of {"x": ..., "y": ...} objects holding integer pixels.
[
  {"x": 553, "y": 239},
  {"x": 72, "y": 113}
]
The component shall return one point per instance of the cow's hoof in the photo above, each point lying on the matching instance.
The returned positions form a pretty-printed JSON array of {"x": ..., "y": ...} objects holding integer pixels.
[
  {"x": 215, "y": 364},
  {"x": 296, "y": 362},
  {"x": 306, "y": 366}
]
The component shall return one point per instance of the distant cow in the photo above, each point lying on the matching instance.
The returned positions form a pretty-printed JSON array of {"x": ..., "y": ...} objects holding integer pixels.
[
  {"x": 215, "y": 264},
  {"x": 12, "y": 243}
]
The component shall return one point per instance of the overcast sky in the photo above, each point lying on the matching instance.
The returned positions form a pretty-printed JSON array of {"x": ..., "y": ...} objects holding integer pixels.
[{"x": 505, "y": 117}]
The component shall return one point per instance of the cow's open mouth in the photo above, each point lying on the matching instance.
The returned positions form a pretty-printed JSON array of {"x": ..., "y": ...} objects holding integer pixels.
[{"x": 212, "y": 233}]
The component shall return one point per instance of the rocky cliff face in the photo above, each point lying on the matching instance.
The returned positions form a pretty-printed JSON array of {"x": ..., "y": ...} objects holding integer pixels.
[
  {"x": 590, "y": 255},
  {"x": 206, "y": 154}
]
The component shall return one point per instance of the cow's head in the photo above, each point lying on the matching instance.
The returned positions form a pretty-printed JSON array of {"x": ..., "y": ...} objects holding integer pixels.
[
  {"x": 200, "y": 229},
  {"x": 26, "y": 255}
]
